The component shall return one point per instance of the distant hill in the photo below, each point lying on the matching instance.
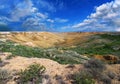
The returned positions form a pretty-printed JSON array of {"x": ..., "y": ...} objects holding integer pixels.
[
  {"x": 48, "y": 39},
  {"x": 42, "y": 39}
]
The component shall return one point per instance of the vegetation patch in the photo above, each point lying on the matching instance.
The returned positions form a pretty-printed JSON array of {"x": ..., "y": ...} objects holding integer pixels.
[
  {"x": 95, "y": 67},
  {"x": 100, "y": 47},
  {"x": 65, "y": 57},
  {"x": 5, "y": 76},
  {"x": 68, "y": 55},
  {"x": 94, "y": 71},
  {"x": 33, "y": 74},
  {"x": 83, "y": 77}
]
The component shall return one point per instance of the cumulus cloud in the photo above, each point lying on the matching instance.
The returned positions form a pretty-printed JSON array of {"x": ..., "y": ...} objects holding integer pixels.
[
  {"x": 47, "y": 5},
  {"x": 50, "y": 20},
  {"x": 4, "y": 19},
  {"x": 33, "y": 19},
  {"x": 52, "y": 7},
  {"x": 30, "y": 17},
  {"x": 34, "y": 24},
  {"x": 22, "y": 9},
  {"x": 57, "y": 20},
  {"x": 106, "y": 18},
  {"x": 44, "y": 16},
  {"x": 118, "y": 29}
]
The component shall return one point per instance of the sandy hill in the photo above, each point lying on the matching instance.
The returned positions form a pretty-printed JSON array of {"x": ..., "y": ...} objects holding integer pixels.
[
  {"x": 42, "y": 39},
  {"x": 47, "y": 39}
]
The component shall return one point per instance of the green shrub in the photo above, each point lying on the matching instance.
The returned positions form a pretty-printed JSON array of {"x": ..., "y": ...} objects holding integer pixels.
[
  {"x": 105, "y": 79},
  {"x": 102, "y": 48},
  {"x": 4, "y": 76},
  {"x": 32, "y": 74},
  {"x": 94, "y": 63},
  {"x": 111, "y": 74},
  {"x": 95, "y": 67},
  {"x": 50, "y": 53},
  {"x": 83, "y": 77}
]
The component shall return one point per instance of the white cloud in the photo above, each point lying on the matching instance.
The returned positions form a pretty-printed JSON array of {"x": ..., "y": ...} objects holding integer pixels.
[
  {"x": 106, "y": 18},
  {"x": 50, "y": 20},
  {"x": 61, "y": 20},
  {"x": 118, "y": 30},
  {"x": 34, "y": 24},
  {"x": 36, "y": 19},
  {"x": 52, "y": 7},
  {"x": 23, "y": 9},
  {"x": 49, "y": 6},
  {"x": 84, "y": 23},
  {"x": 4, "y": 19},
  {"x": 44, "y": 16}
]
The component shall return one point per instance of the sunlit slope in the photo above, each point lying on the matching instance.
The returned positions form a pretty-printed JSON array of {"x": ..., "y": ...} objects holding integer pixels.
[
  {"x": 75, "y": 38},
  {"x": 42, "y": 39},
  {"x": 48, "y": 39}
]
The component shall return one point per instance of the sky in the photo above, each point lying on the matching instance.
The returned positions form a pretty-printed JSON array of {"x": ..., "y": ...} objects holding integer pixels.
[{"x": 60, "y": 15}]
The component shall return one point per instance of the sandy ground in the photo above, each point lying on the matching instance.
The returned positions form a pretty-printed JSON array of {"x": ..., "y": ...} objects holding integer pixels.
[{"x": 53, "y": 68}]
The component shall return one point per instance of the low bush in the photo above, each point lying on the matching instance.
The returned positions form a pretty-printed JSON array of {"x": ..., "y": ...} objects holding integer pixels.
[
  {"x": 4, "y": 76},
  {"x": 83, "y": 77},
  {"x": 111, "y": 74},
  {"x": 32, "y": 74},
  {"x": 105, "y": 79},
  {"x": 95, "y": 67}
]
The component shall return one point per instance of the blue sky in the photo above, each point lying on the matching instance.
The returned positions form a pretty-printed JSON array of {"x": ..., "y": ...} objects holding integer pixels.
[{"x": 60, "y": 15}]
